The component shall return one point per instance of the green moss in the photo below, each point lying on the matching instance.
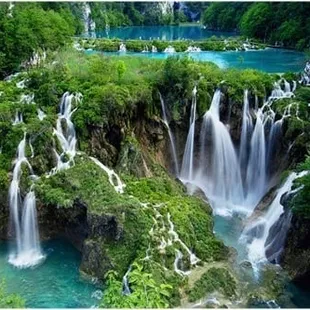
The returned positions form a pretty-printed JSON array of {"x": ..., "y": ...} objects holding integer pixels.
[{"x": 214, "y": 280}]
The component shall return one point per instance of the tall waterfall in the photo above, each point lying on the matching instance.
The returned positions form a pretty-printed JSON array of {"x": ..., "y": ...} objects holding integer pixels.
[
  {"x": 27, "y": 251},
  {"x": 247, "y": 127},
  {"x": 66, "y": 136},
  {"x": 234, "y": 179},
  {"x": 188, "y": 157},
  {"x": 171, "y": 138},
  {"x": 257, "y": 233},
  {"x": 218, "y": 174}
]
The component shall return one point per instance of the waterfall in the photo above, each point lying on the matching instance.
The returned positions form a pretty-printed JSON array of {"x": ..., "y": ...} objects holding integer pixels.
[
  {"x": 234, "y": 181},
  {"x": 171, "y": 138},
  {"x": 257, "y": 232},
  {"x": 66, "y": 137},
  {"x": 188, "y": 157},
  {"x": 41, "y": 114},
  {"x": 279, "y": 93},
  {"x": 170, "y": 49},
  {"x": 18, "y": 118},
  {"x": 119, "y": 186},
  {"x": 122, "y": 48},
  {"x": 247, "y": 127},
  {"x": 219, "y": 174},
  {"x": 256, "y": 170},
  {"x": 27, "y": 251},
  {"x": 126, "y": 289}
]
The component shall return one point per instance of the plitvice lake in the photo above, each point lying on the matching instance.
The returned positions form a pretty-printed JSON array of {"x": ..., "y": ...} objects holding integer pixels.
[{"x": 154, "y": 155}]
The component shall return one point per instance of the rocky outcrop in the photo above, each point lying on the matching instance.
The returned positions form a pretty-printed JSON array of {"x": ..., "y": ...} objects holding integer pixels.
[
  {"x": 296, "y": 253},
  {"x": 86, "y": 230}
]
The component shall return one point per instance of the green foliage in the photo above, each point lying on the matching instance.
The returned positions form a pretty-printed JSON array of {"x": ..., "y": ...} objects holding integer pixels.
[
  {"x": 146, "y": 292},
  {"x": 223, "y": 16},
  {"x": 121, "y": 69},
  {"x": 214, "y": 280},
  {"x": 10, "y": 300},
  {"x": 28, "y": 29},
  {"x": 286, "y": 23},
  {"x": 300, "y": 203}
]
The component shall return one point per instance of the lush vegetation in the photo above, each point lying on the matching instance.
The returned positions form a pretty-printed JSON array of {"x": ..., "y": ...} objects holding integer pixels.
[
  {"x": 26, "y": 28},
  {"x": 212, "y": 44},
  {"x": 272, "y": 22}
]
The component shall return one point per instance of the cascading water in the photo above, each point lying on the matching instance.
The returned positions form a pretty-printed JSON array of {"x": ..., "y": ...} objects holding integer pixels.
[
  {"x": 218, "y": 173},
  {"x": 256, "y": 171},
  {"x": 27, "y": 251},
  {"x": 119, "y": 186},
  {"x": 171, "y": 138},
  {"x": 188, "y": 157},
  {"x": 233, "y": 181},
  {"x": 66, "y": 138},
  {"x": 257, "y": 233},
  {"x": 247, "y": 128}
]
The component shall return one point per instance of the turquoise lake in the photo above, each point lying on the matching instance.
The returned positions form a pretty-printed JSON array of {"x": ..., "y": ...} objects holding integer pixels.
[
  {"x": 269, "y": 60},
  {"x": 195, "y": 32},
  {"x": 56, "y": 283}
]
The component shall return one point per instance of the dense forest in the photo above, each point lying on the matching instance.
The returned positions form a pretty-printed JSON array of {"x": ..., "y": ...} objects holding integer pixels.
[{"x": 282, "y": 23}]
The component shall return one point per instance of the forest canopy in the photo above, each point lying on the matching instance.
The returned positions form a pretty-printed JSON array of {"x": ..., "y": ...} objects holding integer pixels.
[{"x": 287, "y": 23}]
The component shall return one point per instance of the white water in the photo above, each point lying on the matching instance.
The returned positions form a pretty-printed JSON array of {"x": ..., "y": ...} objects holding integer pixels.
[
  {"x": 258, "y": 230},
  {"x": 188, "y": 157},
  {"x": 122, "y": 48},
  {"x": 193, "y": 49},
  {"x": 18, "y": 118},
  {"x": 27, "y": 251},
  {"x": 234, "y": 181},
  {"x": 27, "y": 99},
  {"x": 126, "y": 289},
  {"x": 41, "y": 115},
  {"x": 171, "y": 138},
  {"x": 114, "y": 179},
  {"x": 170, "y": 49},
  {"x": 246, "y": 131},
  {"x": 66, "y": 136}
]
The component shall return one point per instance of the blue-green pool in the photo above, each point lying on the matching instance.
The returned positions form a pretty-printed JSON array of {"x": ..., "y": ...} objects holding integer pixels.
[
  {"x": 54, "y": 284},
  {"x": 268, "y": 60},
  {"x": 192, "y": 32}
]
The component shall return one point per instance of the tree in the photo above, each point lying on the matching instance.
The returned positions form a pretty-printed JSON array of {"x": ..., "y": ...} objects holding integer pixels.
[{"x": 257, "y": 20}]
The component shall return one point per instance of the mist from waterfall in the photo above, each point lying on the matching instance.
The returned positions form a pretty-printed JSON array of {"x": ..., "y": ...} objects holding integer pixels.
[
  {"x": 23, "y": 217},
  {"x": 171, "y": 138}
]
